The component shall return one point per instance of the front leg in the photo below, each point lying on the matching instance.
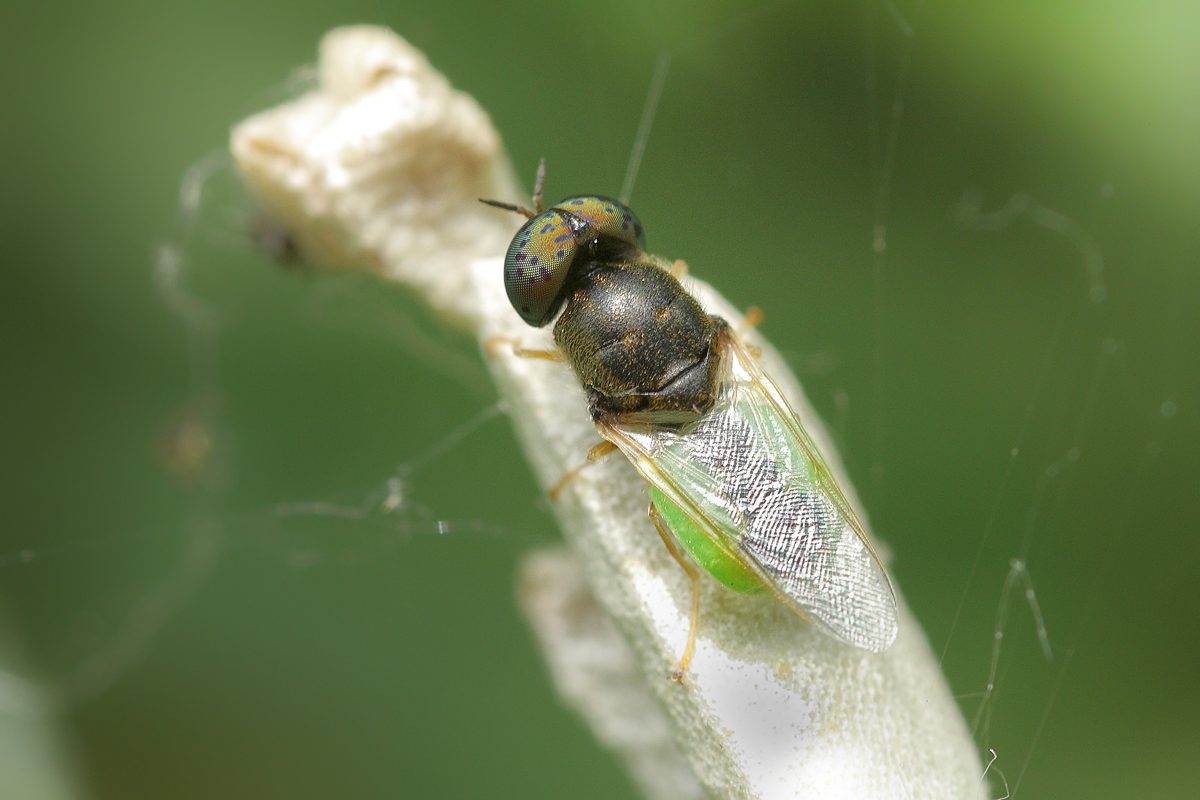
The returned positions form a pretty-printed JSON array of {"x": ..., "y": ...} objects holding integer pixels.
[{"x": 492, "y": 346}]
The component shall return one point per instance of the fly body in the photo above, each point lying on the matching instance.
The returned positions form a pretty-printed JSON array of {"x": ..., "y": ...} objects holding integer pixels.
[{"x": 735, "y": 480}]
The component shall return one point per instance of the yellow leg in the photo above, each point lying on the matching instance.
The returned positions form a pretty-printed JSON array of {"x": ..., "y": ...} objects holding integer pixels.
[
  {"x": 679, "y": 268},
  {"x": 597, "y": 452},
  {"x": 754, "y": 316},
  {"x": 493, "y": 343},
  {"x": 694, "y": 575}
]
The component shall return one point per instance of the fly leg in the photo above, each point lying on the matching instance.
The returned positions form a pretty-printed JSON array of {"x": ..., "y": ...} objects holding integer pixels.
[
  {"x": 679, "y": 268},
  {"x": 754, "y": 316},
  {"x": 694, "y": 575},
  {"x": 493, "y": 343},
  {"x": 597, "y": 452}
]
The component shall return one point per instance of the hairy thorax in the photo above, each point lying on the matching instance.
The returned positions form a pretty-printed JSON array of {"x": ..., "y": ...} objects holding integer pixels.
[{"x": 641, "y": 345}]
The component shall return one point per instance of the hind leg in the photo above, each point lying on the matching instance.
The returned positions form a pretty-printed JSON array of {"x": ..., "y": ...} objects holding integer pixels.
[{"x": 692, "y": 574}]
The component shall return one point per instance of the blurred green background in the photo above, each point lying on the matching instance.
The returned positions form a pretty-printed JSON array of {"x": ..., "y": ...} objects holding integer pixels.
[{"x": 318, "y": 658}]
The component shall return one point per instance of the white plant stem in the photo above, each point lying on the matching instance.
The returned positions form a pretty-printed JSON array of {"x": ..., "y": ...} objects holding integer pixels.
[{"x": 379, "y": 168}]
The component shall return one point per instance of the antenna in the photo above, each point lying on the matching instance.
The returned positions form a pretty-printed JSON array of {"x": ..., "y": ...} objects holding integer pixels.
[
  {"x": 537, "y": 196},
  {"x": 538, "y": 183}
]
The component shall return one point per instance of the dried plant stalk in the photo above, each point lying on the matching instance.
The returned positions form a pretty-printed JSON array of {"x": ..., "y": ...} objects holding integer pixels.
[{"x": 379, "y": 169}]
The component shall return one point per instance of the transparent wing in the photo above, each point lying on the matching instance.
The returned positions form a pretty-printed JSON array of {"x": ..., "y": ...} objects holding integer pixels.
[{"x": 753, "y": 480}]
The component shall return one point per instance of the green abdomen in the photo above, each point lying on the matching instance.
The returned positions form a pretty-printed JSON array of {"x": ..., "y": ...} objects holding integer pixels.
[{"x": 707, "y": 553}]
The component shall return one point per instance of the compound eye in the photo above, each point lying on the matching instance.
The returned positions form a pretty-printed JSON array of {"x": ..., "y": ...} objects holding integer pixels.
[
  {"x": 609, "y": 217},
  {"x": 536, "y": 267}
]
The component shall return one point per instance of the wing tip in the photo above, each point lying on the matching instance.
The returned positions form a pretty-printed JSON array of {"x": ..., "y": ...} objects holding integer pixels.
[
  {"x": 887, "y": 640},
  {"x": 874, "y": 635}
]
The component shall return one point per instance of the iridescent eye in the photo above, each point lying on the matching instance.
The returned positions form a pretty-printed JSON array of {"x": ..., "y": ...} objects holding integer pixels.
[
  {"x": 536, "y": 267},
  {"x": 608, "y": 217}
]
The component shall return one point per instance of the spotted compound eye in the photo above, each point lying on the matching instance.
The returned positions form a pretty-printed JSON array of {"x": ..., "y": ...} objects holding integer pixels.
[
  {"x": 536, "y": 266},
  {"x": 608, "y": 217}
]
